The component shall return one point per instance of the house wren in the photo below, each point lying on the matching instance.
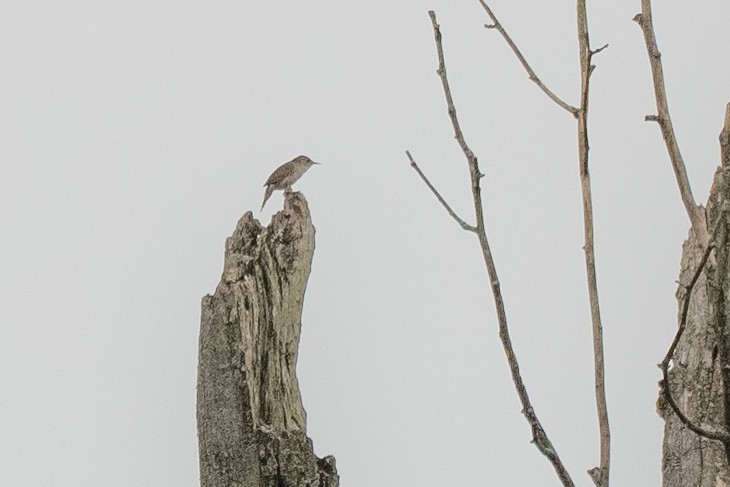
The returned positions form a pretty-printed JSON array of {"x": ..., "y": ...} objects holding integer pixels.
[{"x": 286, "y": 175}]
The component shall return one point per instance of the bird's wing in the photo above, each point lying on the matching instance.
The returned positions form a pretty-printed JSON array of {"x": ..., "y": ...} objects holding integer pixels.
[{"x": 276, "y": 175}]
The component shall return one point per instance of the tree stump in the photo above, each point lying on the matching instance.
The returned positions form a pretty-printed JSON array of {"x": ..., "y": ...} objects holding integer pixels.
[
  {"x": 699, "y": 377},
  {"x": 251, "y": 423}
]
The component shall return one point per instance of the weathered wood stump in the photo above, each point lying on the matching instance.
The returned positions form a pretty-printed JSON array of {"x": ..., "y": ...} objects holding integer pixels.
[
  {"x": 251, "y": 423},
  {"x": 699, "y": 377}
]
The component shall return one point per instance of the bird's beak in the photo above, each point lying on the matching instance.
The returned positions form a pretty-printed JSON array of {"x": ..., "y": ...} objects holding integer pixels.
[{"x": 318, "y": 163}]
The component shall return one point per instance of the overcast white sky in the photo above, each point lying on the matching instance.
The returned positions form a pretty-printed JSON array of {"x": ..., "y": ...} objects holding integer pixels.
[{"x": 134, "y": 134}]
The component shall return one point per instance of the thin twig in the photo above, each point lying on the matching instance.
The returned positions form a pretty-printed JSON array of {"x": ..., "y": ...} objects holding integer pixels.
[
  {"x": 443, "y": 202},
  {"x": 600, "y": 474},
  {"x": 713, "y": 434},
  {"x": 539, "y": 437},
  {"x": 496, "y": 24},
  {"x": 695, "y": 212},
  {"x": 596, "y": 51}
]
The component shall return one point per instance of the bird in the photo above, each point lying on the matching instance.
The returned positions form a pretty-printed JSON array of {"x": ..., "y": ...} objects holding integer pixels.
[{"x": 286, "y": 175}]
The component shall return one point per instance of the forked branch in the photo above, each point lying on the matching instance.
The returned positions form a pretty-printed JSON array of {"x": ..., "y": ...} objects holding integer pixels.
[
  {"x": 539, "y": 437},
  {"x": 600, "y": 474}
]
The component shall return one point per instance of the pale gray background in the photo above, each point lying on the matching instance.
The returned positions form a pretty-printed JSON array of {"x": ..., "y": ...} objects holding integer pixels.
[{"x": 134, "y": 134}]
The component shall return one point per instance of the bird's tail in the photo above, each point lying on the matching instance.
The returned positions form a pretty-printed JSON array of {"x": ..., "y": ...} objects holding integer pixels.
[{"x": 267, "y": 195}]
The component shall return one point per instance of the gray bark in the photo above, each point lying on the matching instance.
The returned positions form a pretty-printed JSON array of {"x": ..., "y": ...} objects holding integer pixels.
[
  {"x": 700, "y": 373},
  {"x": 251, "y": 423}
]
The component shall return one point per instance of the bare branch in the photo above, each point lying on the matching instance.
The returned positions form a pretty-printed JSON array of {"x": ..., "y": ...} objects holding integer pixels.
[
  {"x": 695, "y": 212},
  {"x": 531, "y": 73},
  {"x": 600, "y": 474},
  {"x": 539, "y": 437},
  {"x": 443, "y": 202},
  {"x": 605, "y": 46},
  {"x": 441, "y": 71}
]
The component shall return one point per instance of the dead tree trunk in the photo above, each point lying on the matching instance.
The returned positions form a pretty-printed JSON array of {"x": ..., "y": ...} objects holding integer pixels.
[
  {"x": 251, "y": 423},
  {"x": 699, "y": 371}
]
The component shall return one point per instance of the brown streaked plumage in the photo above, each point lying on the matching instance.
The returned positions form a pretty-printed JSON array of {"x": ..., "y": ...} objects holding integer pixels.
[{"x": 286, "y": 175}]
